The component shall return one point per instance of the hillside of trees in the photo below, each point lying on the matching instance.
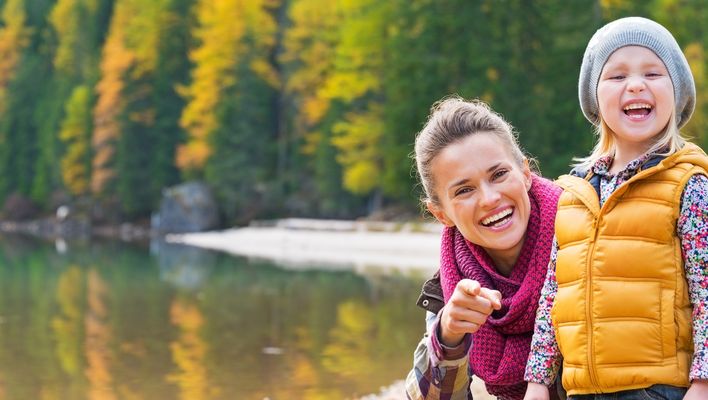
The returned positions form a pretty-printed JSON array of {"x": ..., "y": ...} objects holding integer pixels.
[{"x": 286, "y": 107}]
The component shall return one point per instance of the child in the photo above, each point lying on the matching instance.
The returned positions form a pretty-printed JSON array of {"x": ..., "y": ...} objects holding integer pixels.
[{"x": 631, "y": 252}]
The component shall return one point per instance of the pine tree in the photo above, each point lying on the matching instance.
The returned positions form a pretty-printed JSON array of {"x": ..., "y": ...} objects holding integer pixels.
[{"x": 15, "y": 37}]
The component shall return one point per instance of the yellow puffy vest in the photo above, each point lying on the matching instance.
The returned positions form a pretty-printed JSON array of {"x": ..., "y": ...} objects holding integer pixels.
[{"x": 622, "y": 315}]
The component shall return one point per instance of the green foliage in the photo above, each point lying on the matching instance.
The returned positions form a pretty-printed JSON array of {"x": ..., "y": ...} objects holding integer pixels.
[{"x": 288, "y": 107}]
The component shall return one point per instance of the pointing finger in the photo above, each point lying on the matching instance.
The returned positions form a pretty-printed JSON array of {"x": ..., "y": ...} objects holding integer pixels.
[
  {"x": 494, "y": 296},
  {"x": 469, "y": 286}
]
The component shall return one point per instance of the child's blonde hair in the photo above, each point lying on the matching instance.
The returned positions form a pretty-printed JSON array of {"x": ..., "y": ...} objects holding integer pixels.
[{"x": 668, "y": 141}]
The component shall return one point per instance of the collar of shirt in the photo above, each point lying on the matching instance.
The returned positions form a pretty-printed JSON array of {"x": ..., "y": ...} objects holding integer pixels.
[{"x": 602, "y": 168}]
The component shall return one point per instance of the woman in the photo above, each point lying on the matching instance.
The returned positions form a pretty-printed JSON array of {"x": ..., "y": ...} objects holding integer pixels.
[{"x": 499, "y": 219}]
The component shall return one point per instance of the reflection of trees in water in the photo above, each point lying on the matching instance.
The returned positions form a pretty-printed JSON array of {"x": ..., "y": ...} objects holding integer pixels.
[
  {"x": 369, "y": 338},
  {"x": 118, "y": 328},
  {"x": 340, "y": 334},
  {"x": 189, "y": 351},
  {"x": 67, "y": 324},
  {"x": 98, "y": 340}
]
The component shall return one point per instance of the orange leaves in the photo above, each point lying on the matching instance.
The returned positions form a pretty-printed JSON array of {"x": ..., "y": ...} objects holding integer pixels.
[
  {"x": 193, "y": 155},
  {"x": 117, "y": 58}
]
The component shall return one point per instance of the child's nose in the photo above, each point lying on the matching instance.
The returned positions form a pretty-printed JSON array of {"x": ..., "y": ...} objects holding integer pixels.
[{"x": 635, "y": 84}]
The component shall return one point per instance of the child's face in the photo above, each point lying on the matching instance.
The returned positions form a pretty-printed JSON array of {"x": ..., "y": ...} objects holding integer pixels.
[
  {"x": 483, "y": 191},
  {"x": 636, "y": 97}
]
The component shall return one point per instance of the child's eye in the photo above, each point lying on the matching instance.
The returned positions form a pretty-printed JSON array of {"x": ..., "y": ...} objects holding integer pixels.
[
  {"x": 616, "y": 77},
  {"x": 653, "y": 74}
]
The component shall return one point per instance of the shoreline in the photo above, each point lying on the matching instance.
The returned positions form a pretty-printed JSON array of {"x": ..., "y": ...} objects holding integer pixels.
[{"x": 302, "y": 243}]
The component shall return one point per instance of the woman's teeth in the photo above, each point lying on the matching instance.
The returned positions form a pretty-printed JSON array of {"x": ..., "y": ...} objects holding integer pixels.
[{"x": 496, "y": 217}]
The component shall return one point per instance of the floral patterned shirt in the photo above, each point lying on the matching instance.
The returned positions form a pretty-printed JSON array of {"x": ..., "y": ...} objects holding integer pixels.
[{"x": 692, "y": 230}]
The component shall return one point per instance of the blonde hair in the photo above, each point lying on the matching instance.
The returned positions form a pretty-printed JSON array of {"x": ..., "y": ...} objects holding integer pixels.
[
  {"x": 667, "y": 142},
  {"x": 451, "y": 120}
]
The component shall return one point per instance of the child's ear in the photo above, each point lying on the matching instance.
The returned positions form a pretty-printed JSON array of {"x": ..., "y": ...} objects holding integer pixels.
[
  {"x": 527, "y": 174},
  {"x": 438, "y": 213}
]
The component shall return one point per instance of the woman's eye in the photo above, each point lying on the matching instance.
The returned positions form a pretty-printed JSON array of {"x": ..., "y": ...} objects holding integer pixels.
[
  {"x": 463, "y": 190},
  {"x": 499, "y": 173}
]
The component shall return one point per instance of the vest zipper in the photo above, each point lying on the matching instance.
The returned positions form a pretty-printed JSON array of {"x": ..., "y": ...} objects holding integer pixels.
[{"x": 589, "y": 302}]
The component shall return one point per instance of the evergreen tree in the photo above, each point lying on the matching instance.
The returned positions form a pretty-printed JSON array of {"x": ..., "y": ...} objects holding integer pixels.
[{"x": 15, "y": 36}]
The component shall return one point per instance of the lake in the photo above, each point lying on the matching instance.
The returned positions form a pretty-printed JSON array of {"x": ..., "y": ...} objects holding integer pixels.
[{"x": 115, "y": 321}]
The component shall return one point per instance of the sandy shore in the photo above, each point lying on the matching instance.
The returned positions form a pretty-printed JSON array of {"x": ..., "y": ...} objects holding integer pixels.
[{"x": 332, "y": 243}]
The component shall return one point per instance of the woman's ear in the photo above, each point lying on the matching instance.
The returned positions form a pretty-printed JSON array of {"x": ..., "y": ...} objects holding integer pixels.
[
  {"x": 438, "y": 213},
  {"x": 527, "y": 174}
]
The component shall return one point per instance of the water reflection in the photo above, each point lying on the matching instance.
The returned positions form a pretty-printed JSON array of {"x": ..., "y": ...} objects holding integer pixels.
[{"x": 110, "y": 321}]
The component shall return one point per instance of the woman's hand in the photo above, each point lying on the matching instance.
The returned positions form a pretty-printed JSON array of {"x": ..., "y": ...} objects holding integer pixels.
[
  {"x": 466, "y": 311},
  {"x": 697, "y": 390},
  {"x": 536, "y": 391}
]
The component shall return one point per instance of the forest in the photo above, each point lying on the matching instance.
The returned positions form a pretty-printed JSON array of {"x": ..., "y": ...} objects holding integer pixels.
[{"x": 286, "y": 107}]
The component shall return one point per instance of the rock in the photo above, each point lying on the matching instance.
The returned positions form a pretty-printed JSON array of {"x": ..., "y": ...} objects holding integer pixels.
[
  {"x": 189, "y": 207},
  {"x": 19, "y": 208}
]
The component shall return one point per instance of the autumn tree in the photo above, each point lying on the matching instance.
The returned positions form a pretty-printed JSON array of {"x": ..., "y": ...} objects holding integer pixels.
[
  {"x": 230, "y": 105},
  {"x": 308, "y": 57}
]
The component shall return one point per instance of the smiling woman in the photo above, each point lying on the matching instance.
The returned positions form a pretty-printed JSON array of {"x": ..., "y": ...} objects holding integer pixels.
[
  {"x": 498, "y": 218},
  {"x": 486, "y": 199}
]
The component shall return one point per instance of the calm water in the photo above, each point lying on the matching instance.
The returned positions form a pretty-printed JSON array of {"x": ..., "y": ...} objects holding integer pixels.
[{"x": 110, "y": 321}]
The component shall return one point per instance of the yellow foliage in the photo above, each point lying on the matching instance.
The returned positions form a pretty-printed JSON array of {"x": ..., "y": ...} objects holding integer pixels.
[
  {"x": 350, "y": 85},
  {"x": 14, "y": 38},
  {"x": 145, "y": 31},
  {"x": 358, "y": 139},
  {"x": 359, "y": 54},
  {"x": 222, "y": 27},
  {"x": 360, "y": 177},
  {"x": 310, "y": 46},
  {"x": 64, "y": 17},
  {"x": 73, "y": 132},
  {"x": 266, "y": 71}
]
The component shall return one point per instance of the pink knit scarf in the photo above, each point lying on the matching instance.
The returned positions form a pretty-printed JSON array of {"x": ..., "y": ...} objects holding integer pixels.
[{"x": 501, "y": 346}]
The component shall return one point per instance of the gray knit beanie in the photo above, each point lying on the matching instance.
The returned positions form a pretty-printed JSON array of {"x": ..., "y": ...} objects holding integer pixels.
[{"x": 635, "y": 31}]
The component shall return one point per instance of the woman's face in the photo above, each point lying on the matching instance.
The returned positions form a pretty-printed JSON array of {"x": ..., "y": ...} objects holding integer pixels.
[{"x": 484, "y": 193}]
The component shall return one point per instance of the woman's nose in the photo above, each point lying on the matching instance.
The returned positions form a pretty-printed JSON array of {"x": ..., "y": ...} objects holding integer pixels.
[{"x": 489, "y": 195}]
